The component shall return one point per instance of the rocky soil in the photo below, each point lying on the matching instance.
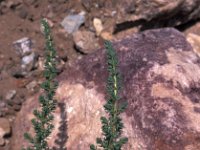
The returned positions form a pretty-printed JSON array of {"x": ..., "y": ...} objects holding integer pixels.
[{"x": 79, "y": 28}]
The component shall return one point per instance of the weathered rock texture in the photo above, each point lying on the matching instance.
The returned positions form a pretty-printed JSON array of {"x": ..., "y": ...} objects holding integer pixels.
[
  {"x": 168, "y": 12},
  {"x": 147, "y": 13},
  {"x": 194, "y": 40},
  {"x": 161, "y": 76}
]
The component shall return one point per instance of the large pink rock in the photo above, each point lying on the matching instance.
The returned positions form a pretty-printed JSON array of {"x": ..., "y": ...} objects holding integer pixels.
[{"x": 161, "y": 82}]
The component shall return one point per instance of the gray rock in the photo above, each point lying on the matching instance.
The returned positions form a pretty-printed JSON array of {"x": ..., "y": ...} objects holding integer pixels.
[
  {"x": 23, "y": 46},
  {"x": 71, "y": 23},
  {"x": 161, "y": 80},
  {"x": 28, "y": 57},
  {"x": 28, "y": 61},
  {"x": 10, "y": 95}
]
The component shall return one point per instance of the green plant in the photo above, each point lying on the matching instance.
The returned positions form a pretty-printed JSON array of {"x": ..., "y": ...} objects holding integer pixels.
[
  {"x": 112, "y": 127},
  {"x": 42, "y": 122}
]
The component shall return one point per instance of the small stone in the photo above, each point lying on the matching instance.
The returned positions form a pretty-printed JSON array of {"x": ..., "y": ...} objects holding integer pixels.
[
  {"x": 106, "y": 36},
  {"x": 40, "y": 63},
  {"x": 28, "y": 62},
  {"x": 5, "y": 129},
  {"x": 11, "y": 94},
  {"x": 31, "y": 86},
  {"x": 23, "y": 46},
  {"x": 97, "y": 23},
  {"x": 113, "y": 13},
  {"x": 60, "y": 65},
  {"x": 72, "y": 23},
  {"x": 85, "y": 41}
]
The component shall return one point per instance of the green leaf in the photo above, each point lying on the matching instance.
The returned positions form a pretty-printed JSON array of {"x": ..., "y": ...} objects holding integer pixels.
[
  {"x": 29, "y": 137},
  {"x": 92, "y": 147}
]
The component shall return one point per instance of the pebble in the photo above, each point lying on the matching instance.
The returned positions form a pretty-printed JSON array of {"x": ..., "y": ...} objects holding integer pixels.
[
  {"x": 11, "y": 94},
  {"x": 85, "y": 41},
  {"x": 31, "y": 86},
  {"x": 5, "y": 129},
  {"x": 28, "y": 62},
  {"x": 40, "y": 63},
  {"x": 23, "y": 46},
  {"x": 97, "y": 23},
  {"x": 71, "y": 23},
  {"x": 28, "y": 57}
]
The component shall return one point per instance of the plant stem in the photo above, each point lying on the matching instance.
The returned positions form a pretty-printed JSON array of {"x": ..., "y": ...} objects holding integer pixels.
[
  {"x": 42, "y": 123},
  {"x": 112, "y": 126}
]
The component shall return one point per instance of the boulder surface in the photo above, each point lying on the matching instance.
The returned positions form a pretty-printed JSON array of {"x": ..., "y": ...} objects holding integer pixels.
[
  {"x": 147, "y": 13},
  {"x": 161, "y": 83}
]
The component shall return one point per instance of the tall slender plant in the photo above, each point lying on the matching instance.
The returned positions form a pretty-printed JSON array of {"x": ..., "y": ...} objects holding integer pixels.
[
  {"x": 42, "y": 123},
  {"x": 112, "y": 126}
]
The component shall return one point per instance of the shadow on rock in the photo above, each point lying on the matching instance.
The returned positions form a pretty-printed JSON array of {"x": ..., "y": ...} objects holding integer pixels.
[{"x": 62, "y": 135}]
